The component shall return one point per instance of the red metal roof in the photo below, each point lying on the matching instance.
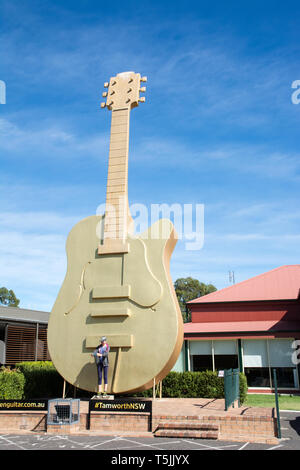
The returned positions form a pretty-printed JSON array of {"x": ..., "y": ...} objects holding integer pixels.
[
  {"x": 282, "y": 283},
  {"x": 240, "y": 326}
]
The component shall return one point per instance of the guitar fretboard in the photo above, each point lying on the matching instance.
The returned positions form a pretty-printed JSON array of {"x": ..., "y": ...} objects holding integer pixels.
[{"x": 116, "y": 213}]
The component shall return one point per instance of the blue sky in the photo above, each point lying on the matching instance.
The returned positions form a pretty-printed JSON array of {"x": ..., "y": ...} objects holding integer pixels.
[{"x": 218, "y": 128}]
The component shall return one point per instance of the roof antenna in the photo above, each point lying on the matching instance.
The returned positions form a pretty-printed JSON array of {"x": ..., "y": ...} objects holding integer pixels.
[{"x": 231, "y": 277}]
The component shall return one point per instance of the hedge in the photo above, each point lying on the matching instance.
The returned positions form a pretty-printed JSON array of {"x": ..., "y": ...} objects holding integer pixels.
[
  {"x": 12, "y": 384},
  {"x": 243, "y": 388},
  {"x": 193, "y": 385},
  {"x": 41, "y": 379},
  {"x": 205, "y": 384}
]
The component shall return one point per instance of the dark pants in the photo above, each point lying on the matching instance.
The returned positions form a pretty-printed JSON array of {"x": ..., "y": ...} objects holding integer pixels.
[{"x": 101, "y": 367}]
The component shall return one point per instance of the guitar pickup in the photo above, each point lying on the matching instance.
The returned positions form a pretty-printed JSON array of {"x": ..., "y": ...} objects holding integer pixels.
[
  {"x": 114, "y": 341},
  {"x": 111, "y": 292},
  {"x": 109, "y": 312}
]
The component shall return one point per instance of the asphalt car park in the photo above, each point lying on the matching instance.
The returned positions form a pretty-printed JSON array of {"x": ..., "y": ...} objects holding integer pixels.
[{"x": 119, "y": 443}]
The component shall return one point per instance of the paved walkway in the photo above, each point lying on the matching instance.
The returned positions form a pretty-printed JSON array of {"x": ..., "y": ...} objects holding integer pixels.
[
  {"x": 196, "y": 407},
  {"x": 203, "y": 406}
]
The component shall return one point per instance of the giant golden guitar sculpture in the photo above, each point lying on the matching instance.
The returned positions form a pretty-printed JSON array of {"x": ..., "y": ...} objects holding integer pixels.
[{"x": 117, "y": 284}]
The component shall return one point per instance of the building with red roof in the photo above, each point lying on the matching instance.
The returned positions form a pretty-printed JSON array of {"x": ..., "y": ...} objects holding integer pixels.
[{"x": 253, "y": 325}]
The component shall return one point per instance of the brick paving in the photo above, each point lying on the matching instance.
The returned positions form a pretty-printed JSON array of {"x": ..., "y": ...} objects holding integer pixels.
[
  {"x": 204, "y": 406},
  {"x": 196, "y": 407}
]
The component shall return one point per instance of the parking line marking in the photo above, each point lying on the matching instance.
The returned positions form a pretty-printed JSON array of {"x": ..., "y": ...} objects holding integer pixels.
[
  {"x": 104, "y": 442},
  {"x": 243, "y": 447},
  {"x": 211, "y": 447},
  {"x": 275, "y": 447},
  {"x": 12, "y": 443},
  {"x": 141, "y": 444}
]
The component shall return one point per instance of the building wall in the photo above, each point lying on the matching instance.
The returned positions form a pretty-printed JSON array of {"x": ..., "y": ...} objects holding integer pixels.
[
  {"x": 180, "y": 363},
  {"x": 245, "y": 311}
]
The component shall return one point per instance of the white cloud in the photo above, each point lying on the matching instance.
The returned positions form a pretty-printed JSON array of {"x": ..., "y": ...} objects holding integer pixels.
[
  {"x": 52, "y": 140},
  {"x": 36, "y": 222},
  {"x": 32, "y": 256}
]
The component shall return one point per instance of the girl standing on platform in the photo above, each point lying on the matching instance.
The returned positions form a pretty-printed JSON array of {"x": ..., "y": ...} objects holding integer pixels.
[{"x": 101, "y": 356}]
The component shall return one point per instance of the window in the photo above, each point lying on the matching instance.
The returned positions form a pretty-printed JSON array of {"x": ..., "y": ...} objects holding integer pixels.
[
  {"x": 203, "y": 362},
  {"x": 201, "y": 355},
  {"x": 280, "y": 352},
  {"x": 228, "y": 361},
  {"x": 258, "y": 376},
  {"x": 262, "y": 356},
  {"x": 285, "y": 377},
  {"x": 213, "y": 355},
  {"x": 225, "y": 354},
  {"x": 255, "y": 353},
  {"x": 200, "y": 348}
]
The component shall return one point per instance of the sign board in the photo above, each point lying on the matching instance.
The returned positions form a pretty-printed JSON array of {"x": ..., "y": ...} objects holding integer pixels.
[{"x": 120, "y": 405}]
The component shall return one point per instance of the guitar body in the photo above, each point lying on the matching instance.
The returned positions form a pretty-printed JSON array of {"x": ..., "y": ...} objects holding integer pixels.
[{"x": 127, "y": 297}]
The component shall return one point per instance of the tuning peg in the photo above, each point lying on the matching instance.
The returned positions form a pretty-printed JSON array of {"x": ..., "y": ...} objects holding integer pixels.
[
  {"x": 104, "y": 94},
  {"x": 142, "y": 99},
  {"x": 143, "y": 89},
  {"x": 143, "y": 79},
  {"x": 103, "y": 105},
  {"x": 106, "y": 85}
]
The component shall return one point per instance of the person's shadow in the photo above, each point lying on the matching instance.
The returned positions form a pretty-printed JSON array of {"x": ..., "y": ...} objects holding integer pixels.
[
  {"x": 295, "y": 424},
  {"x": 88, "y": 374}
]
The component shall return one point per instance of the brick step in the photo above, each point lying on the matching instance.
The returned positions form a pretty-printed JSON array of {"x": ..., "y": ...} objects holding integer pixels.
[
  {"x": 191, "y": 424},
  {"x": 186, "y": 433}
]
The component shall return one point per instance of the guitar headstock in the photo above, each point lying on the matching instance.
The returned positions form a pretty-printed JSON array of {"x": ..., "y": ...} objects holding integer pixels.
[{"x": 124, "y": 91}]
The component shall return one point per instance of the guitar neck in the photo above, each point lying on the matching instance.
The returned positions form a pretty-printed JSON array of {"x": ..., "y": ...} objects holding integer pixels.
[
  {"x": 122, "y": 96},
  {"x": 117, "y": 212}
]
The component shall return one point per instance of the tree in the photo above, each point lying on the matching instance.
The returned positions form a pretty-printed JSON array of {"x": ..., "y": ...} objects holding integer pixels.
[
  {"x": 8, "y": 298},
  {"x": 188, "y": 289}
]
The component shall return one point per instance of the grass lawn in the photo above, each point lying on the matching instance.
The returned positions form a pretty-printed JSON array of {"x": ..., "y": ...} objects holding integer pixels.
[{"x": 286, "y": 402}]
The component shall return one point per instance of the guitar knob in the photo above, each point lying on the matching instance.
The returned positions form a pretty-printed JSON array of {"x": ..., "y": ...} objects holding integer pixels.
[
  {"x": 106, "y": 85},
  {"x": 143, "y": 89},
  {"x": 142, "y": 99},
  {"x": 103, "y": 105},
  {"x": 104, "y": 94},
  {"x": 143, "y": 79}
]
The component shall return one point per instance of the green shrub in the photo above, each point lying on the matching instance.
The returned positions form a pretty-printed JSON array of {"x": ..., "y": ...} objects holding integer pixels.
[
  {"x": 193, "y": 385},
  {"x": 204, "y": 384},
  {"x": 243, "y": 388},
  {"x": 41, "y": 379},
  {"x": 12, "y": 384}
]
